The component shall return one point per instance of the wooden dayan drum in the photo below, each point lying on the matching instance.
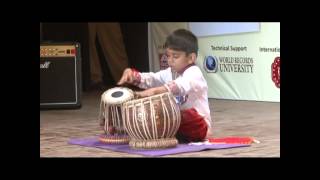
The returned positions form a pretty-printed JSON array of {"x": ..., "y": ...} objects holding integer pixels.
[
  {"x": 111, "y": 117},
  {"x": 152, "y": 122}
]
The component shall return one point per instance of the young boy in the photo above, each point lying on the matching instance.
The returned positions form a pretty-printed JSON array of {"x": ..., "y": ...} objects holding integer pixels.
[{"x": 184, "y": 80}]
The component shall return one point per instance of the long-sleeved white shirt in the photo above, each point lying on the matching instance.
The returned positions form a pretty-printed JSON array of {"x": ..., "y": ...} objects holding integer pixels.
[{"x": 190, "y": 88}]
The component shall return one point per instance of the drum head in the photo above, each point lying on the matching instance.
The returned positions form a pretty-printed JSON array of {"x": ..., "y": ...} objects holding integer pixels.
[{"x": 117, "y": 95}]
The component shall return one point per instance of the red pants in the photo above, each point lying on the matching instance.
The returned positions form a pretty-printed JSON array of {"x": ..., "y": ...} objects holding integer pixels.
[{"x": 193, "y": 126}]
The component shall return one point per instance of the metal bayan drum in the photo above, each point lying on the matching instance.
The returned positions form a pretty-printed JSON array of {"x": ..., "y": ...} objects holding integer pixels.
[
  {"x": 152, "y": 122},
  {"x": 111, "y": 117}
]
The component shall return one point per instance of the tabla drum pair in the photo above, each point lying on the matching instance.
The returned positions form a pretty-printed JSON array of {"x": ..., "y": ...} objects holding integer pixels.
[{"x": 150, "y": 123}]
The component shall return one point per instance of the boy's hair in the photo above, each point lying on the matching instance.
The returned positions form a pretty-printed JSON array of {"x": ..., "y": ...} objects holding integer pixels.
[{"x": 182, "y": 40}]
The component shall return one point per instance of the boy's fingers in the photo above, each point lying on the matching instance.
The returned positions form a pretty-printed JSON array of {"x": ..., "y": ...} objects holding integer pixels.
[
  {"x": 138, "y": 95},
  {"x": 131, "y": 79},
  {"x": 126, "y": 77},
  {"x": 122, "y": 80}
]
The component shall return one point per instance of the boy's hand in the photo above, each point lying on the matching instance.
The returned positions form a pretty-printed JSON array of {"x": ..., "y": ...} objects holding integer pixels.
[
  {"x": 145, "y": 93},
  {"x": 151, "y": 92},
  {"x": 127, "y": 77}
]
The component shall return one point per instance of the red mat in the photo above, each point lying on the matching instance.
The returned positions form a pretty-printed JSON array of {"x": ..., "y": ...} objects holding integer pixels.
[{"x": 233, "y": 140}]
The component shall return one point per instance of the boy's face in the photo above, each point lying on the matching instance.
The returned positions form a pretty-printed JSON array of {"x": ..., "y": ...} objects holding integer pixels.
[{"x": 178, "y": 60}]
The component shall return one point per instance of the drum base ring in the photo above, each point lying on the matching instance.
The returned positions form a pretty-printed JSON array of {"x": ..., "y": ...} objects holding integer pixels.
[
  {"x": 114, "y": 139},
  {"x": 153, "y": 143}
]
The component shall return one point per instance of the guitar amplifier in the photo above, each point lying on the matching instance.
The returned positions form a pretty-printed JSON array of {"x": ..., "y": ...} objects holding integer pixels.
[{"x": 60, "y": 75}]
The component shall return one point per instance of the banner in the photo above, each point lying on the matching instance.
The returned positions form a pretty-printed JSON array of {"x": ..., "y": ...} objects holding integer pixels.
[
  {"x": 220, "y": 28},
  {"x": 240, "y": 65}
]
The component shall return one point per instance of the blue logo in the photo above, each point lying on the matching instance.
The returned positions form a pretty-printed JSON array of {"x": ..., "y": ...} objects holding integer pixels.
[
  {"x": 181, "y": 99},
  {"x": 210, "y": 64}
]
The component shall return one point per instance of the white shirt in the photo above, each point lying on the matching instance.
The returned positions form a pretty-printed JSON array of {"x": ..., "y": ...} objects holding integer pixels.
[{"x": 190, "y": 88}]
